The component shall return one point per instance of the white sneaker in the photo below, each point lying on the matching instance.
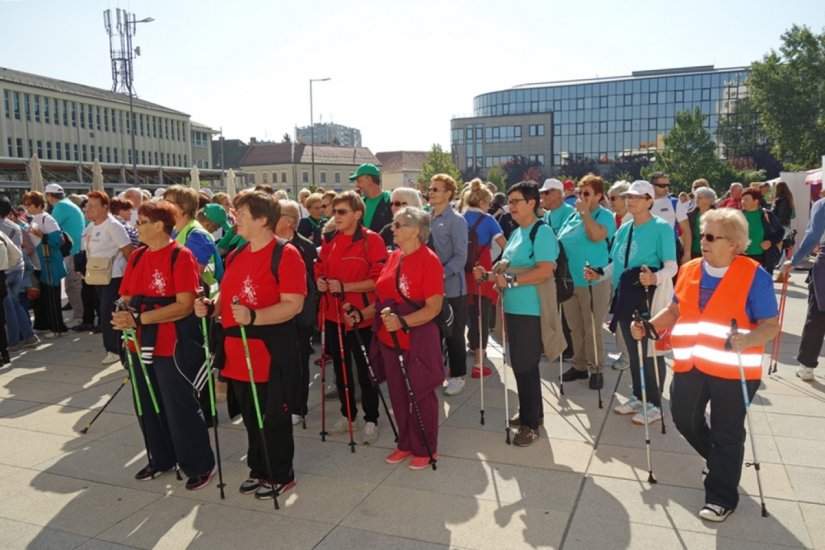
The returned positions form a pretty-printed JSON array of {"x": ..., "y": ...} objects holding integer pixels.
[
  {"x": 654, "y": 414},
  {"x": 110, "y": 358},
  {"x": 620, "y": 364},
  {"x": 342, "y": 426},
  {"x": 370, "y": 433},
  {"x": 631, "y": 406},
  {"x": 805, "y": 374},
  {"x": 51, "y": 335},
  {"x": 454, "y": 386},
  {"x": 296, "y": 419}
]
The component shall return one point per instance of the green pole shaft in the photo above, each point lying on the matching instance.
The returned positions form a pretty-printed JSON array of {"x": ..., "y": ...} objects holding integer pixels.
[
  {"x": 133, "y": 379},
  {"x": 131, "y": 333},
  {"x": 208, "y": 365},
  {"x": 251, "y": 377}
]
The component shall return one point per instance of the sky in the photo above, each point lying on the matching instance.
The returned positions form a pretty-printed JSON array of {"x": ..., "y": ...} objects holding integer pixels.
[{"x": 399, "y": 71}]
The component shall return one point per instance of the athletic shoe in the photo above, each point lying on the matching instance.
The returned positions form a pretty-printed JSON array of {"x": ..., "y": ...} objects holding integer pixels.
[
  {"x": 200, "y": 481},
  {"x": 250, "y": 485},
  {"x": 110, "y": 358},
  {"x": 269, "y": 490},
  {"x": 421, "y": 462},
  {"x": 342, "y": 426},
  {"x": 370, "y": 433},
  {"x": 573, "y": 373},
  {"x": 83, "y": 327},
  {"x": 477, "y": 369},
  {"x": 806, "y": 374},
  {"x": 714, "y": 512},
  {"x": 596, "y": 381},
  {"x": 51, "y": 335},
  {"x": 654, "y": 414},
  {"x": 31, "y": 342},
  {"x": 397, "y": 456},
  {"x": 620, "y": 364},
  {"x": 631, "y": 406},
  {"x": 296, "y": 419},
  {"x": 150, "y": 472},
  {"x": 42, "y": 330},
  {"x": 515, "y": 421},
  {"x": 525, "y": 437},
  {"x": 567, "y": 355},
  {"x": 454, "y": 385}
]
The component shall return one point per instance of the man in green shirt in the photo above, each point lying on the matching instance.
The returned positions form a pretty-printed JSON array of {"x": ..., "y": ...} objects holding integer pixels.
[
  {"x": 377, "y": 201},
  {"x": 552, "y": 200}
]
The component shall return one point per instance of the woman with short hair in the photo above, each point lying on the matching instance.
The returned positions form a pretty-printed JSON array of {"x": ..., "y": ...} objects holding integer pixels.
[
  {"x": 399, "y": 198},
  {"x": 705, "y": 200},
  {"x": 312, "y": 225},
  {"x": 764, "y": 230}
]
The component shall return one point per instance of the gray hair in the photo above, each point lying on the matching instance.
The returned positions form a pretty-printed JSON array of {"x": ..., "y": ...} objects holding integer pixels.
[
  {"x": 732, "y": 224},
  {"x": 619, "y": 187},
  {"x": 705, "y": 193},
  {"x": 736, "y": 184},
  {"x": 290, "y": 208},
  {"x": 407, "y": 194},
  {"x": 416, "y": 217}
]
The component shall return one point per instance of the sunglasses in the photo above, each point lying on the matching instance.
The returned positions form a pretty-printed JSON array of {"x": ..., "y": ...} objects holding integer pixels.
[
  {"x": 434, "y": 190},
  {"x": 398, "y": 225},
  {"x": 398, "y": 204},
  {"x": 709, "y": 237},
  {"x": 341, "y": 211}
]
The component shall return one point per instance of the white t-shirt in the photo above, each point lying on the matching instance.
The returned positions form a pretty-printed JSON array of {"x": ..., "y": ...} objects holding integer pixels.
[
  {"x": 45, "y": 223},
  {"x": 664, "y": 209},
  {"x": 105, "y": 241}
]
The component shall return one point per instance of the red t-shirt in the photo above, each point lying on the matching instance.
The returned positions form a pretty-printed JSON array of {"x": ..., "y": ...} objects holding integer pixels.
[
  {"x": 248, "y": 277},
  {"x": 154, "y": 277},
  {"x": 421, "y": 277}
]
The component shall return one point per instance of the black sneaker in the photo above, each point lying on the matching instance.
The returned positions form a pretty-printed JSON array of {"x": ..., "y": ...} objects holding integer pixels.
[
  {"x": 250, "y": 485},
  {"x": 515, "y": 420},
  {"x": 268, "y": 490},
  {"x": 150, "y": 472},
  {"x": 567, "y": 355},
  {"x": 83, "y": 327},
  {"x": 574, "y": 374},
  {"x": 596, "y": 381},
  {"x": 200, "y": 481},
  {"x": 526, "y": 437},
  {"x": 714, "y": 512}
]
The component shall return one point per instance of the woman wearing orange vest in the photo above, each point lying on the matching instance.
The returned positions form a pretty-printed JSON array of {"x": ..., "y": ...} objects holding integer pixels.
[{"x": 711, "y": 292}]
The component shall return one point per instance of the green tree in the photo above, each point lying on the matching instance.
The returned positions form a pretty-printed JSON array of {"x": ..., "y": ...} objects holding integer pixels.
[
  {"x": 690, "y": 153},
  {"x": 286, "y": 138},
  {"x": 743, "y": 138},
  {"x": 520, "y": 168},
  {"x": 788, "y": 91},
  {"x": 497, "y": 176},
  {"x": 438, "y": 162}
]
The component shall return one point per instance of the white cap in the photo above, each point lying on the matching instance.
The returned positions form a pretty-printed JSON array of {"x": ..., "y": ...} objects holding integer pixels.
[
  {"x": 208, "y": 192},
  {"x": 54, "y": 189},
  {"x": 551, "y": 183},
  {"x": 640, "y": 188},
  {"x": 159, "y": 192}
]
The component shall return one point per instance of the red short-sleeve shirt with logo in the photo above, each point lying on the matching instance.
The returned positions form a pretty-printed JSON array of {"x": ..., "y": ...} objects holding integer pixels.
[
  {"x": 249, "y": 277},
  {"x": 153, "y": 276},
  {"x": 421, "y": 277}
]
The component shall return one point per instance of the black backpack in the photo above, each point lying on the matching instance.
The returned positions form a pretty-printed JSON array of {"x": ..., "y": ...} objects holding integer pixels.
[
  {"x": 66, "y": 245},
  {"x": 564, "y": 281},
  {"x": 472, "y": 246}
]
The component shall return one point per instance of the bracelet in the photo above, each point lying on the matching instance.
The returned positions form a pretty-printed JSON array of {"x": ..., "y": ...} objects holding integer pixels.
[
  {"x": 404, "y": 326},
  {"x": 252, "y": 316},
  {"x": 136, "y": 318}
]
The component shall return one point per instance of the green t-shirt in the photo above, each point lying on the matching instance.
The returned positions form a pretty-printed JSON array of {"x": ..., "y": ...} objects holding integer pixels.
[
  {"x": 524, "y": 300},
  {"x": 756, "y": 232},
  {"x": 696, "y": 243},
  {"x": 372, "y": 204}
]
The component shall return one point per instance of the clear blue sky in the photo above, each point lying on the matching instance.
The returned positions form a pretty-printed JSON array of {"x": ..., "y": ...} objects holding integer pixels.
[{"x": 400, "y": 70}]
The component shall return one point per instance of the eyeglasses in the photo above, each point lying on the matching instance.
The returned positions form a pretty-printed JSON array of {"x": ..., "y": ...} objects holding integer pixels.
[
  {"x": 662, "y": 185},
  {"x": 398, "y": 204},
  {"x": 513, "y": 202},
  {"x": 709, "y": 237},
  {"x": 341, "y": 211},
  {"x": 434, "y": 190},
  {"x": 325, "y": 206},
  {"x": 398, "y": 225},
  {"x": 142, "y": 222}
]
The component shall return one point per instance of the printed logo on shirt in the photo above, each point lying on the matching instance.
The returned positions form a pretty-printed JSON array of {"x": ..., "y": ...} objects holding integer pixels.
[
  {"x": 248, "y": 291},
  {"x": 404, "y": 284},
  {"x": 158, "y": 283}
]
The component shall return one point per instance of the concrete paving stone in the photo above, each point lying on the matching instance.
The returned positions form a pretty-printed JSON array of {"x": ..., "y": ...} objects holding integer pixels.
[
  {"x": 76, "y": 506},
  {"x": 94, "y": 397},
  {"x": 175, "y": 523},
  {"x": 814, "y": 515},
  {"x": 95, "y": 544},
  {"x": 621, "y": 431},
  {"x": 12, "y": 408},
  {"x": 807, "y": 483},
  {"x": 797, "y": 405},
  {"x": 333, "y": 457},
  {"x": 29, "y": 447},
  {"x": 796, "y": 427},
  {"x": 18, "y": 535},
  {"x": 800, "y": 452},
  {"x": 66, "y": 421},
  {"x": 39, "y": 391},
  {"x": 345, "y": 537},
  {"x": 457, "y": 520},
  {"x": 78, "y": 375},
  {"x": 676, "y": 508}
]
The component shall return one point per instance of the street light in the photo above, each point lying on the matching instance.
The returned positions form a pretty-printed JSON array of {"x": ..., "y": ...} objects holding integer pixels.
[{"x": 311, "y": 131}]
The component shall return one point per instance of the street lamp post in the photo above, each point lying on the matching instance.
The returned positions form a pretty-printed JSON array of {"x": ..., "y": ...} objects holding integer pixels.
[{"x": 311, "y": 133}]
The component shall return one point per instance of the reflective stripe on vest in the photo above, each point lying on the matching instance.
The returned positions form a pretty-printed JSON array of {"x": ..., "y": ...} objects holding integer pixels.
[{"x": 699, "y": 337}]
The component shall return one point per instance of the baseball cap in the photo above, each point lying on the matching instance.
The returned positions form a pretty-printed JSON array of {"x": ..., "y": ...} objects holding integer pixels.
[
  {"x": 569, "y": 184},
  {"x": 159, "y": 192},
  {"x": 551, "y": 183},
  {"x": 54, "y": 189},
  {"x": 366, "y": 169},
  {"x": 217, "y": 215},
  {"x": 639, "y": 188},
  {"x": 208, "y": 192}
]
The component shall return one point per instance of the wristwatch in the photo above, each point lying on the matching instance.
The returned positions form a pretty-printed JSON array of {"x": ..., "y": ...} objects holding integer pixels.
[{"x": 512, "y": 281}]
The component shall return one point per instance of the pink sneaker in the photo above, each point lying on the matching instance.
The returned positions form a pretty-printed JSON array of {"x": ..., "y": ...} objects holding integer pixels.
[
  {"x": 397, "y": 456},
  {"x": 477, "y": 369},
  {"x": 421, "y": 462}
]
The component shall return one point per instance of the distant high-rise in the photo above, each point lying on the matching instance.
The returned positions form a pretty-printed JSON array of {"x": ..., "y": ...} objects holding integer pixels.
[{"x": 329, "y": 133}]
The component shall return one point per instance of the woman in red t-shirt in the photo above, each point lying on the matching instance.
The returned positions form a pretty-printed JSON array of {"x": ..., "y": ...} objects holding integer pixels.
[
  {"x": 349, "y": 263},
  {"x": 263, "y": 289},
  {"x": 159, "y": 283},
  {"x": 412, "y": 286}
]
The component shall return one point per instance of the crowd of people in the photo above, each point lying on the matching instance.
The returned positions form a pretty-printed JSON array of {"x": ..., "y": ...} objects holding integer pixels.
[{"x": 403, "y": 287}]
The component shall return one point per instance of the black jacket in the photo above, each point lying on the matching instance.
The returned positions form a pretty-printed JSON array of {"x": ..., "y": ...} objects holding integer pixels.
[{"x": 382, "y": 216}]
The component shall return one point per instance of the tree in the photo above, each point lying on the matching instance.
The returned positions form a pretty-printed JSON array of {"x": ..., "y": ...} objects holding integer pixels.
[
  {"x": 286, "y": 138},
  {"x": 497, "y": 176},
  {"x": 576, "y": 167},
  {"x": 690, "y": 153},
  {"x": 628, "y": 167},
  {"x": 788, "y": 91},
  {"x": 743, "y": 138},
  {"x": 470, "y": 173},
  {"x": 438, "y": 162},
  {"x": 520, "y": 168}
]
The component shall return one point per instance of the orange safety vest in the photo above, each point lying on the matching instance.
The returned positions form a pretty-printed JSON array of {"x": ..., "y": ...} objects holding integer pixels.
[{"x": 698, "y": 337}]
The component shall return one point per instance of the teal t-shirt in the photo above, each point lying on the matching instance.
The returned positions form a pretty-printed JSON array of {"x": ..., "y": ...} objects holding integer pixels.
[
  {"x": 556, "y": 218},
  {"x": 372, "y": 204},
  {"x": 756, "y": 232},
  {"x": 580, "y": 249},
  {"x": 652, "y": 244},
  {"x": 70, "y": 219},
  {"x": 524, "y": 300}
]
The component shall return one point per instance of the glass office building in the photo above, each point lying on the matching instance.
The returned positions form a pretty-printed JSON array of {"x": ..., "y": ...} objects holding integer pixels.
[{"x": 602, "y": 119}]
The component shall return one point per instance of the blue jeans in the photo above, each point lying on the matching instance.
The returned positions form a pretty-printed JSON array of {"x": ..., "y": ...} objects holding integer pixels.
[{"x": 18, "y": 322}]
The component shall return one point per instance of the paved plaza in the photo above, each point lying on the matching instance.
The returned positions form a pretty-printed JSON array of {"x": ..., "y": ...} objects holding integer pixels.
[{"x": 583, "y": 487}]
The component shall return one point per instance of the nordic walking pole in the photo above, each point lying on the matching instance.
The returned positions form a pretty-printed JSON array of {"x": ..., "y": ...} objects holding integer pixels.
[
  {"x": 655, "y": 358},
  {"x": 480, "y": 349},
  {"x": 344, "y": 371},
  {"x": 374, "y": 379},
  {"x": 103, "y": 408},
  {"x": 561, "y": 353},
  {"x": 593, "y": 330},
  {"x": 323, "y": 433},
  {"x": 410, "y": 393},
  {"x": 504, "y": 372},
  {"x": 777, "y": 341},
  {"x": 650, "y": 478},
  {"x": 211, "y": 382},
  {"x": 259, "y": 418},
  {"x": 734, "y": 330}
]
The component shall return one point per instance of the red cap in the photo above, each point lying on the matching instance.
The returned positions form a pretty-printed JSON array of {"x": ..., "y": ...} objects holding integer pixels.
[{"x": 569, "y": 184}]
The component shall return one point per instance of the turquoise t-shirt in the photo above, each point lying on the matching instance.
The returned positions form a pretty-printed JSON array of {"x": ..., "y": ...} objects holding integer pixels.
[
  {"x": 580, "y": 249},
  {"x": 524, "y": 300},
  {"x": 652, "y": 244},
  {"x": 556, "y": 218}
]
